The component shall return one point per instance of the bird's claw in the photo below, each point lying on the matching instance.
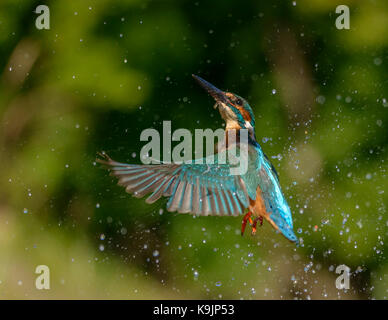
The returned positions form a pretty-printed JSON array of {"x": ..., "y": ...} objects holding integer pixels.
[
  {"x": 254, "y": 227},
  {"x": 244, "y": 222},
  {"x": 253, "y": 223}
]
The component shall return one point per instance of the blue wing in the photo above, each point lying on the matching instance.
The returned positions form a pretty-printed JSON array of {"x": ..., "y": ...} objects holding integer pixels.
[
  {"x": 274, "y": 199},
  {"x": 202, "y": 189},
  {"x": 208, "y": 189}
]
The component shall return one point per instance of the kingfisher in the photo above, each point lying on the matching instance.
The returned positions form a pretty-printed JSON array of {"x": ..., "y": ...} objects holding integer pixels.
[{"x": 210, "y": 189}]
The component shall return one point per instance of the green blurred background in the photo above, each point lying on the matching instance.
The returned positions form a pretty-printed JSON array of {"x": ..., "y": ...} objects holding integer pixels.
[{"x": 106, "y": 70}]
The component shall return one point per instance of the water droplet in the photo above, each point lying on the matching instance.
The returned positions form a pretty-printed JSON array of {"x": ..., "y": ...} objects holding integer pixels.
[
  {"x": 377, "y": 61},
  {"x": 321, "y": 99}
]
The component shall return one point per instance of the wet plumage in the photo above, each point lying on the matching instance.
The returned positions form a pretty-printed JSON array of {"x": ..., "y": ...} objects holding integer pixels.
[{"x": 210, "y": 189}]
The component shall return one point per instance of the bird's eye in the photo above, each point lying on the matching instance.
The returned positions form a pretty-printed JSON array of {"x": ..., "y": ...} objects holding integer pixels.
[{"x": 239, "y": 102}]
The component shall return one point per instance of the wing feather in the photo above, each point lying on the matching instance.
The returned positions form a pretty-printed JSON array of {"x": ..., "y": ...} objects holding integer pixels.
[
  {"x": 196, "y": 197},
  {"x": 191, "y": 188},
  {"x": 187, "y": 199}
]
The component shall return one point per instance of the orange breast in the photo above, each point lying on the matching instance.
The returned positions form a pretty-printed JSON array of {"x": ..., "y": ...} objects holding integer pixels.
[{"x": 257, "y": 207}]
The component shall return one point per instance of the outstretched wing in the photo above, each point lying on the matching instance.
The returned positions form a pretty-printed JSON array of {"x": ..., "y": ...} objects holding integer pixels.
[
  {"x": 275, "y": 202},
  {"x": 203, "y": 189}
]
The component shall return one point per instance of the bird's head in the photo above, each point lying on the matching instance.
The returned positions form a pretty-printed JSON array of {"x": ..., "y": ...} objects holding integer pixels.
[{"x": 234, "y": 109}]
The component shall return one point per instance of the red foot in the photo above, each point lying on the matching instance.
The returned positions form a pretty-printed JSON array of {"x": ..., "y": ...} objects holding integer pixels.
[
  {"x": 254, "y": 226},
  {"x": 244, "y": 221},
  {"x": 253, "y": 223}
]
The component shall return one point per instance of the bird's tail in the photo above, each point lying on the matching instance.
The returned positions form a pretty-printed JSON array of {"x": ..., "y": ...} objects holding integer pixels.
[{"x": 284, "y": 227}]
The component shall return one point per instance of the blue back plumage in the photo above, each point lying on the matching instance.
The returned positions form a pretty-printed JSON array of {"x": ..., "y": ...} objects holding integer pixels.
[{"x": 265, "y": 176}]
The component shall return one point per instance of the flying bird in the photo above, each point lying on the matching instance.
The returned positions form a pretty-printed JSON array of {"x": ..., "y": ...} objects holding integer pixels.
[{"x": 210, "y": 189}]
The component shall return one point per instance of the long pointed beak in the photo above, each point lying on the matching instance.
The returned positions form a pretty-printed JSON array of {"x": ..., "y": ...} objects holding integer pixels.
[{"x": 216, "y": 93}]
